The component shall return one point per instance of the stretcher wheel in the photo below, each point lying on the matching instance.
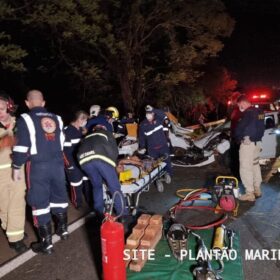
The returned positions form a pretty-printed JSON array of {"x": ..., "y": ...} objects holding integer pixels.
[
  {"x": 159, "y": 186},
  {"x": 167, "y": 178}
]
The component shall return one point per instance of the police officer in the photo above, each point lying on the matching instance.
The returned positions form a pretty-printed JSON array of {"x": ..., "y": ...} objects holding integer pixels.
[
  {"x": 153, "y": 138},
  {"x": 12, "y": 194},
  {"x": 40, "y": 143},
  {"x": 77, "y": 179},
  {"x": 249, "y": 132},
  {"x": 97, "y": 155}
]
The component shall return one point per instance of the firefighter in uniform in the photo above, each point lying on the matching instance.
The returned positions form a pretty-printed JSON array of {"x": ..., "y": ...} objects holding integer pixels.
[
  {"x": 40, "y": 141},
  {"x": 12, "y": 194},
  {"x": 153, "y": 137},
  {"x": 97, "y": 155},
  {"x": 249, "y": 132},
  {"x": 77, "y": 179},
  {"x": 97, "y": 118}
]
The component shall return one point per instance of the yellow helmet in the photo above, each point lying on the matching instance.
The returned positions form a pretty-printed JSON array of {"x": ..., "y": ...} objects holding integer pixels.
[{"x": 115, "y": 112}]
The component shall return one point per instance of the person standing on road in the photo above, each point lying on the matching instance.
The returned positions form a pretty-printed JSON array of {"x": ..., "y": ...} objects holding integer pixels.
[
  {"x": 40, "y": 144},
  {"x": 12, "y": 194},
  {"x": 77, "y": 179},
  {"x": 249, "y": 132},
  {"x": 153, "y": 137}
]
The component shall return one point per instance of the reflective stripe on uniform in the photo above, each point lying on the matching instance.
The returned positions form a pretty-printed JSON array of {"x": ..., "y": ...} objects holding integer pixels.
[
  {"x": 62, "y": 138},
  {"x": 60, "y": 205},
  {"x": 20, "y": 149},
  {"x": 4, "y": 166},
  {"x": 76, "y": 184},
  {"x": 154, "y": 130},
  {"x": 40, "y": 212},
  {"x": 32, "y": 132},
  {"x": 84, "y": 160},
  {"x": 75, "y": 141},
  {"x": 99, "y": 134},
  {"x": 67, "y": 144},
  {"x": 14, "y": 233}
]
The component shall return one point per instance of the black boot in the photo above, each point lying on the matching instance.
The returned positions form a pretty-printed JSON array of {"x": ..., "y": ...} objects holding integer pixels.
[
  {"x": 62, "y": 227},
  {"x": 18, "y": 246},
  {"x": 45, "y": 245}
]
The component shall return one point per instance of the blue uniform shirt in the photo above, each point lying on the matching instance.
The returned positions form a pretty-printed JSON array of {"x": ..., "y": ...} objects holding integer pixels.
[
  {"x": 250, "y": 124},
  {"x": 151, "y": 134},
  {"x": 98, "y": 120},
  {"x": 72, "y": 139},
  {"x": 40, "y": 137}
]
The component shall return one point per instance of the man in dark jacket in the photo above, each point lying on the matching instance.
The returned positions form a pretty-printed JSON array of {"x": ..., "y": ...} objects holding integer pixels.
[
  {"x": 249, "y": 132},
  {"x": 97, "y": 156},
  {"x": 40, "y": 144},
  {"x": 153, "y": 136}
]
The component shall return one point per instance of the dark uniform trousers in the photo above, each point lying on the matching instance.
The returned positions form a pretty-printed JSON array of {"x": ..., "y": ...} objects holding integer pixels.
[
  {"x": 46, "y": 190},
  {"x": 99, "y": 171}
]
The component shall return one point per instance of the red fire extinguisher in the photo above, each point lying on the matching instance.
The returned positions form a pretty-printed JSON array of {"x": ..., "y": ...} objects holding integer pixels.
[{"x": 112, "y": 243}]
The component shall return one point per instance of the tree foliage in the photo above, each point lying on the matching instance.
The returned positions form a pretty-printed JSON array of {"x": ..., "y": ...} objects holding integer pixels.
[
  {"x": 142, "y": 48},
  {"x": 11, "y": 55}
]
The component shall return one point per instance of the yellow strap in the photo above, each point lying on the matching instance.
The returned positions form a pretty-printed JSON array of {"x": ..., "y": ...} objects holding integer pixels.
[
  {"x": 84, "y": 160},
  {"x": 13, "y": 233},
  {"x": 4, "y": 166}
]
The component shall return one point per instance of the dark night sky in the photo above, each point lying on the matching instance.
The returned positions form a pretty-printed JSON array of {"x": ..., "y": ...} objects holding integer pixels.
[{"x": 253, "y": 51}]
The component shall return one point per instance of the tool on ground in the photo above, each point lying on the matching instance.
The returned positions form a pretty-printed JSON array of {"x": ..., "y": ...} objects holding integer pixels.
[
  {"x": 225, "y": 192},
  {"x": 204, "y": 270},
  {"x": 177, "y": 237},
  {"x": 188, "y": 203}
]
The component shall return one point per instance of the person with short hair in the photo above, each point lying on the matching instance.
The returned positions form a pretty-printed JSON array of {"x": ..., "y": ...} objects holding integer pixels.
[
  {"x": 77, "y": 179},
  {"x": 249, "y": 132},
  {"x": 39, "y": 144},
  {"x": 12, "y": 194}
]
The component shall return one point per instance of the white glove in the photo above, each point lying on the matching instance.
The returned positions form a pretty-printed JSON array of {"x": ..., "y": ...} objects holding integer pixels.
[
  {"x": 17, "y": 176},
  {"x": 246, "y": 140},
  {"x": 142, "y": 151}
]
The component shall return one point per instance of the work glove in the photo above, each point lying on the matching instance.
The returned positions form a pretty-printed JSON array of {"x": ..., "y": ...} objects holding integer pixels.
[
  {"x": 141, "y": 151},
  {"x": 246, "y": 140},
  {"x": 17, "y": 176}
]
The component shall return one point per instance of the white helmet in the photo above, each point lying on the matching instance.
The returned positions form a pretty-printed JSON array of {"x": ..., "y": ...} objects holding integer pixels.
[{"x": 94, "y": 110}]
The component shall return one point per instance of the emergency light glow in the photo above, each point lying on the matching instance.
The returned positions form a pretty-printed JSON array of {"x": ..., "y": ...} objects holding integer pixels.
[{"x": 262, "y": 96}]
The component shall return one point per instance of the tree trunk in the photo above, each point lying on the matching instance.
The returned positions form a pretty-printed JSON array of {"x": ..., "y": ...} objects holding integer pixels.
[{"x": 126, "y": 92}]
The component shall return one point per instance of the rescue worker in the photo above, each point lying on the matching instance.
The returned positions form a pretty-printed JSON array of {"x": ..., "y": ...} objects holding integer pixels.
[
  {"x": 12, "y": 194},
  {"x": 112, "y": 114},
  {"x": 249, "y": 132},
  {"x": 40, "y": 144},
  {"x": 97, "y": 118},
  {"x": 97, "y": 155},
  {"x": 152, "y": 136},
  {"x": 77, "y": 179}
]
